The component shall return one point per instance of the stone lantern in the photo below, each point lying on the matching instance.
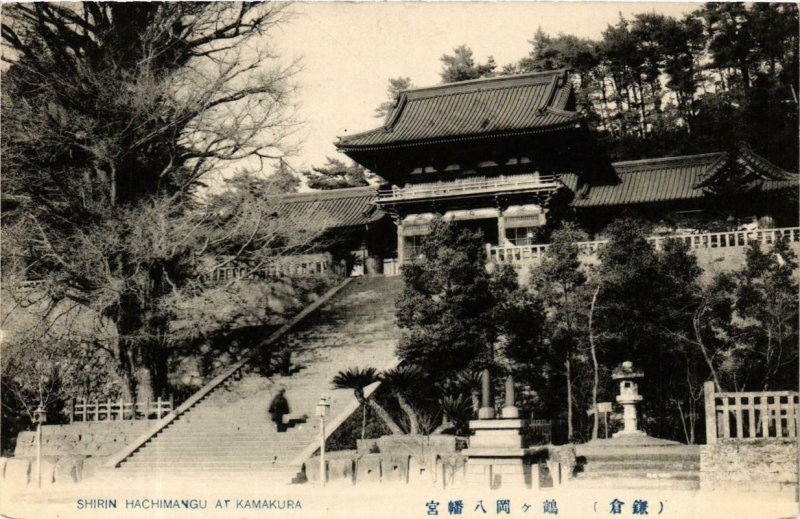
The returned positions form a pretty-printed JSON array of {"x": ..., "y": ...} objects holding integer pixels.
[{"x": 629, "y": 397}]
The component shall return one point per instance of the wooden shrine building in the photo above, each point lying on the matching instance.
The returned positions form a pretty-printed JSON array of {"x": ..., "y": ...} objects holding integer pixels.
[
  {"x": 508, "y": 155},
  {"x": 512, "y": 157}
]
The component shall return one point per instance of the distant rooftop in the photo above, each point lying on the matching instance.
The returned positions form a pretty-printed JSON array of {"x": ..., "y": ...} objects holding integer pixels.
[
  {"x": 675, "y": 178},
  {"x": 338, "y": 208},
  {"x": 521, "y": 104}
]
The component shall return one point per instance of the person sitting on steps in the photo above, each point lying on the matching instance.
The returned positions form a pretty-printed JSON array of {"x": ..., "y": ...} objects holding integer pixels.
[{"x": 278, "y": 408}]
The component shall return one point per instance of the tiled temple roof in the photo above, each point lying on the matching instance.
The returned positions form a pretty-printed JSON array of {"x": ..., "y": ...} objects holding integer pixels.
[
  {"x": 509, "y": 105},
  {"x": 337, "y": 208},
  {"x": 675, "y": 178}
]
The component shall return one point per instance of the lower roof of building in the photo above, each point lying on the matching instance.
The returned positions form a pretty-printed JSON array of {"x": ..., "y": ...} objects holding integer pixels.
[
  {"x": 660, "y": 180},
  {"x": 672, "y": 179},
  {"x": 336, "y": 208}
]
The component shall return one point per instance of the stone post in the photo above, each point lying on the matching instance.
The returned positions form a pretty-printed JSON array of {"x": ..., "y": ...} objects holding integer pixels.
[
  {"x": 711, "y": 413},
  {"x": 486, "y": 412},
  {"x": 401, "y": 256},
  {"x": 501, "y": 230}
]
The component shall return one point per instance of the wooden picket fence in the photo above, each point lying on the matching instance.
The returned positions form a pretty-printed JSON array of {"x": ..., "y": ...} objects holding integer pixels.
[
  {"x": 82, "y": 411},
  {"x": 754, "y": 415}
]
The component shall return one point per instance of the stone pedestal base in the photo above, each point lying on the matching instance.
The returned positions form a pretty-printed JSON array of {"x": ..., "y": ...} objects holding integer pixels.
[
  {"x": 495, "y": 455},
  {"x": 498, "y": 472},
  {"x": 625, "y": 434}
]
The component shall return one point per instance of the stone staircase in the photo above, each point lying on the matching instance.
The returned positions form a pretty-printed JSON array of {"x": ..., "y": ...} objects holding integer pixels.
[
  {"x": 230, "y": 431},
  {"x": 671, "y": 467}
]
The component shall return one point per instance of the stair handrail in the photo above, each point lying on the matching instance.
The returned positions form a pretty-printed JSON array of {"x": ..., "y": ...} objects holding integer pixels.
[
  {"x": 116, "y": 459},
  {"x": 340, "y": 418}
]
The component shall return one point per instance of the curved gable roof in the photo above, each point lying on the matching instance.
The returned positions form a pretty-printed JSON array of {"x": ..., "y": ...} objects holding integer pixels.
[{"x": 528, "y": 103}]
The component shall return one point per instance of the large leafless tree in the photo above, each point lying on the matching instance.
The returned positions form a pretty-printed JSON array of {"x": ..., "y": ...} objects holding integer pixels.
[{"x": 115, "y": 116}]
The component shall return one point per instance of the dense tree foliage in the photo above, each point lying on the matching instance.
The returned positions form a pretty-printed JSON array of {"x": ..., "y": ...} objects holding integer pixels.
[
  {"x": 447, "y": 303},
  {"x": 655, "y": 85},
  {"x": 396, "y": 85},
  {"x": 461, "y": 66},
  {"x": 335, "y": 174},
  {"x": 283, "y": 179},
  {"x": 562, "y": 283},
  {"x": 563, "y": 331}
]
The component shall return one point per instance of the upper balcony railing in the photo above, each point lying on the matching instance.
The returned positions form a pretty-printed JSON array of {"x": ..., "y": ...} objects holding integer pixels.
[
  {"x": 464, "y": 187},
  {"x": 527, "y": 253}
]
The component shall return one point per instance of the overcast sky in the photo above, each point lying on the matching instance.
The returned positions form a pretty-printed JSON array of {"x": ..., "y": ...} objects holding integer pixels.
[{"x": 350, "y": 50}]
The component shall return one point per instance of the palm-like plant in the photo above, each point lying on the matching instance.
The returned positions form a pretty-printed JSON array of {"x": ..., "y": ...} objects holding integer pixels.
[
  {"x": 456, "y": 411},
  {"x": 357, "y": 379},
  {"x": 469, "y": 382},
  {"x": 403, "y": 380}
]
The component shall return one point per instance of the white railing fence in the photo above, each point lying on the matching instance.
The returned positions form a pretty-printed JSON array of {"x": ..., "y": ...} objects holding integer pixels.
[
  {"x": 83, "y": 411},
  {"x": 289, "y": 266},
  {"x": 751, "y": 415},
  {"x": 527, "y": 253}
]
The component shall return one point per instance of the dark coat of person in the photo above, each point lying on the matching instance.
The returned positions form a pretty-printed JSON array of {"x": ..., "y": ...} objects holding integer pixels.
[{"x": 278, "y": 408}]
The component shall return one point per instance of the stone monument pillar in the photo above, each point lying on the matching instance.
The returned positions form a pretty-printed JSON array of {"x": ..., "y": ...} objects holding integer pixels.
[
  {"x": 486, "y": 412},
  {"x": 509, "y": 408},
  {"x": 495, "y": 457},
  {"x": 629, "y": 397}
]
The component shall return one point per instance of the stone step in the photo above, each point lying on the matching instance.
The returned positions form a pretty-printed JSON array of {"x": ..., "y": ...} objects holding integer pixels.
[
  {"x": 633, "y": 483},
  {"x": 356, "y": 328},
  {"x": 271, "y": 473},
  {"x": 239, "y": 457},
  {"x": 655, "y": 474},
  {"x": 210, "y": 461},
  {"x": 640, "y": 464},
  {"x": 276, "y": 439},
  {"x": 216, "y": 468},
  {"x": 204, "y": 441},
  {"x": 250, "y": 477},
  {"x": 660, "y": 453},
  {"x": 254, "y": 455}
]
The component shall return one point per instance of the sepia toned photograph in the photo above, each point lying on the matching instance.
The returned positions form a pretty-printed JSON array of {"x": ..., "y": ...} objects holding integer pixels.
[{"x": 399, "y": 260}]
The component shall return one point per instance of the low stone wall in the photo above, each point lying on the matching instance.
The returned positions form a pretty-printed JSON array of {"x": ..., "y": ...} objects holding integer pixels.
[
  {"x": 70, "y": 452},
  {"x": 433, "y": 462},
  {"x": 405, "y": 459},
  {"x": 749, "y": 465},
  {"x": 82, "y": 438},
  {"x": 350, "y": 467}
]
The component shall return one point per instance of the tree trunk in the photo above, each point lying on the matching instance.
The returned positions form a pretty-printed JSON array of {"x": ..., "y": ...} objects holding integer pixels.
[
  {"x": 696, "y": 326},
  {"x": 413, "y": 421},
  {"x": 569, "y": 397},
  {"x": 745, "y": 71},
  {"x": 595, "y": 366},
  {"x": 363, "y": 421},
  {"x": 126, "y": 361},
  {"x": 443, "y": 427}
]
